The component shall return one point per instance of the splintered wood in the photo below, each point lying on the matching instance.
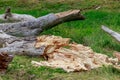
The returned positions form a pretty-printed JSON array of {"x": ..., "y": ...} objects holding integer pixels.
[
  {"x": 60, "y": 53},
  {"x": 5, "y": 59}
]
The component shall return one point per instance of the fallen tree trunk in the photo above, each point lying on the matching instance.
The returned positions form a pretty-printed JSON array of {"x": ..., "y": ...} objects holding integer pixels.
[
  {"x": 25, "y": 45},
  {"x": 112, "y": 33},
  {"x": 19, "y": 46},
  {"x": 36, "y": 26}
]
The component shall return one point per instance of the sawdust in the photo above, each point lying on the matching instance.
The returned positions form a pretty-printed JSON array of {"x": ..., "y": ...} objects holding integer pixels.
[{"x": 70, "y": 56}]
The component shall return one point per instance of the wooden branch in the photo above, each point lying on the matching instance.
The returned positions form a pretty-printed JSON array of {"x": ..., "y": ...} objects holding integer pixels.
[
  {"x": 112, "y": 33},
  {"x": 36, "y": 26}
]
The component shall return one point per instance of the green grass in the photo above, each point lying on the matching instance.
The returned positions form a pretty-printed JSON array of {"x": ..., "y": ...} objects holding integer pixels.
[{"x": 87, "y": 32}]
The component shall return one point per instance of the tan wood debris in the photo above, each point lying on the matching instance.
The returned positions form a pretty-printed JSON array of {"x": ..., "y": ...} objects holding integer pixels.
[{"x": 60, "y": 53}]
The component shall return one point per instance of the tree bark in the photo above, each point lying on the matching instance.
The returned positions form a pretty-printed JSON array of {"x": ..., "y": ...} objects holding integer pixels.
[
  {"x": 20, "y": 46},
  {"x": 36, "y": 26},
  {"x": 112, "y": 33}
]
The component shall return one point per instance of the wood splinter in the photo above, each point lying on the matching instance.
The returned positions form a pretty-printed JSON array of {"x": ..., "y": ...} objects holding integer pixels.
[{"x": 5, "y": 59}]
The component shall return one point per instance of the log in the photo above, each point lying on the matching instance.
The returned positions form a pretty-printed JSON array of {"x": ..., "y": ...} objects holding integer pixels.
[
  {"x": 36, "y": 26},
  {"x": 112, "y": 33},
  {"x": 11, "y": 46},
  {"x": 20, "y": 46}
]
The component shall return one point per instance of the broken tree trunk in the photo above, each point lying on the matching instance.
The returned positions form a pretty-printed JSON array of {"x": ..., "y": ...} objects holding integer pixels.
[
  {"x": 36, "y": 26},
  {"x": 112, "y": 33},
  {"x": 25, "y": 45}
]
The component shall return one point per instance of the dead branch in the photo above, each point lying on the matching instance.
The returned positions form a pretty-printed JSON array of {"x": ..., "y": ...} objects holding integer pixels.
[
  {"x": 112, "y": 33},
  {"x": 36, "y": 26}
]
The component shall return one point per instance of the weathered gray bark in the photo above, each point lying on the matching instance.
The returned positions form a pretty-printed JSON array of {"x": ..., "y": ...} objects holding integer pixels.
[
  {"x": 11, "y": 45},
  {"x": 112, "y": 33},
  {"x": 36, "y": 26},
  {"x": 9, "y": 17},
  {"x": 19, "y": 46}
]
